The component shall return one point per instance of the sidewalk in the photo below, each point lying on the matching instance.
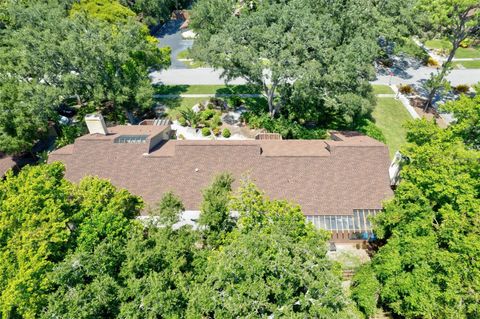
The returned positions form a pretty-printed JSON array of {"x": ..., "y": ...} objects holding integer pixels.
[{"x": 402, "y": 98}]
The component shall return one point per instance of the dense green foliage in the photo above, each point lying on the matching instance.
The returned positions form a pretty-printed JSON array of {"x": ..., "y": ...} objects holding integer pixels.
[
  {"x": 153, "y": 12},
  {"x": 98, "y": 55},
  {"x": 42, "y": 218},
  {"x": 215, "y": 216},
  {"x": 24, "y": 113},
  {"x": 466, "y": 111},
  {"x": 313, "y": 59},
  {"x": 272, "y": 264},
  {"x": 77, "y": 251},
  {"x": 428, "y": 267},
  {"x": 107, "y": 10},
  {"x": 365, "y": 288},
  {"x": 318, "y": 57}
]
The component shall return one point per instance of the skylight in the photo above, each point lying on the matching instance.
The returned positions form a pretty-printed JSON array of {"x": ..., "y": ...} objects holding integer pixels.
[{"x": 131, "y": 139}]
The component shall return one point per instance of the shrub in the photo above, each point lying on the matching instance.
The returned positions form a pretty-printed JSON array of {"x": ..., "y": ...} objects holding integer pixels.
[
  {"x": 218, "y": 103},
  {"x": 283, "y": 126},
  {"x": 236, "y": 101},
  {"x": 370, "y": 129},
  {"x": 68, "y": 134},
  {"x": 408, "y": 47},
  {"x": 365, "y": 290},
  {"x": 216, "y": 121},
  {"x": 182, "y": 121},
  {"x": 466, "y": 43},
  {"x": 226, "y": 133},
  {"x": 216, "y": 131},
  {"x": 461, "y": 89},
  {"x": 207, "y": 114},
  {"x": 206, "y": 131},
  {"x": 181, "y": 137},
  {"x": 406, "y": 89},
  {"x": 432, "y": 62}
]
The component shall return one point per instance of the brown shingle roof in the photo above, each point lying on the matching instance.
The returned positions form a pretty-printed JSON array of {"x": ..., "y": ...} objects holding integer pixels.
[
  {"x": 6, "y": 163},
  {"x": 323, "y": 176}
]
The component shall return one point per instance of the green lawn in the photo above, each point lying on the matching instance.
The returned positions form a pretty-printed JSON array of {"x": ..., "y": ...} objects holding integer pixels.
[
  {"x": 468, "y": 64},
  {"x": 206, "y": 89},
  {"x": 389, "y": 115},
  {"x": 174, "y": 104},
  {"x": 382, "y": 89},
  {"x": 468, "y": 53},
  {"x": 193, "y": 64},
  {"x": 462, "y": 53},
  {"x": 438, "y": 44}
]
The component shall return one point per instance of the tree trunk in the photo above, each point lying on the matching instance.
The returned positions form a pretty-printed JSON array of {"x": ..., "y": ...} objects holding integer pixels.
[
  {"x": 270, "y": 93},
  {"x": 443, "y": 73},
  {"x": 459, "y": 35}
]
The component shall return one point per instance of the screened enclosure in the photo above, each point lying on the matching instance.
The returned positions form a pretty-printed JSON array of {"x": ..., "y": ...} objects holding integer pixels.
[{"x": 357, "y": 224}]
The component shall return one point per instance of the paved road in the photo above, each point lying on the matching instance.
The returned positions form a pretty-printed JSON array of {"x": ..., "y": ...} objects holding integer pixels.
[
  {"x": 190, "y": 76},
  {"x": 408, "y": 76},
  {"x": 415, "y": 76},
  {"x": 170, "y": 35}
]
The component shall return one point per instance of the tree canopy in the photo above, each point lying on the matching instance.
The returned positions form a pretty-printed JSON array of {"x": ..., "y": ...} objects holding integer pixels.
[
  {"x": 42, "y": 218},
  {"x": 96, "y": 53},
  {"x": 76, "y": 250},
  {"x": 455, "y": 20},
  {"x": 313, "y": 59},
  {"x": 428, "y": 266}
]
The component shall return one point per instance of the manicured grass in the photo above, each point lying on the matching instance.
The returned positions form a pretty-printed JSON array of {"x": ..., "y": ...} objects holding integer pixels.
[
  {"x": 390, "y": 115},
  {"x": 437, "y": 44},
  {"x": 192, "y": 64},
  {"x": 475, "y": 64},
  {"x": 185, "y": 54},
  {"x": 382, "y": 89},
  {"x": 408, "y": 47},
  {"x": 174, "y": 104},
  {"x": 468, "y": 53},
  {"x": 206, "y": 89},
  {"x": 462, "y": 53}
]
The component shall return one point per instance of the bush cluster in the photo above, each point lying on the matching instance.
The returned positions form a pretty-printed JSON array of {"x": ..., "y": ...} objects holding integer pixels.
[
  {"x": 461, "y": 89},
  {"x": 283, "y": 126},
  {"x": 369, "y": 128},
  {"x": 432, "y": 62},
  {"x": 406, "y": 89}
]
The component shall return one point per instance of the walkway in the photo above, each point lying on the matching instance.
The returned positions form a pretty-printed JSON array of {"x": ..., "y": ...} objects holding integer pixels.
[{"x": 402, "y": 98}]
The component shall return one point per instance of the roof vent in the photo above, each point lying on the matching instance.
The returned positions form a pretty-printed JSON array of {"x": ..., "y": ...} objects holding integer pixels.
[{"x": 96, "y": 124}]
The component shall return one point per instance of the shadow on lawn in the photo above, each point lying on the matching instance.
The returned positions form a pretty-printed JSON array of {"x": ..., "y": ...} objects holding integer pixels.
[
  {"x": 239, "y": 89},
  {"x": 170, "y": 89}
]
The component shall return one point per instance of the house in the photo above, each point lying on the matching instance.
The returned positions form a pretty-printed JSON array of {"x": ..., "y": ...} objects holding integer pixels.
[{"x": 338, "y": 182}]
